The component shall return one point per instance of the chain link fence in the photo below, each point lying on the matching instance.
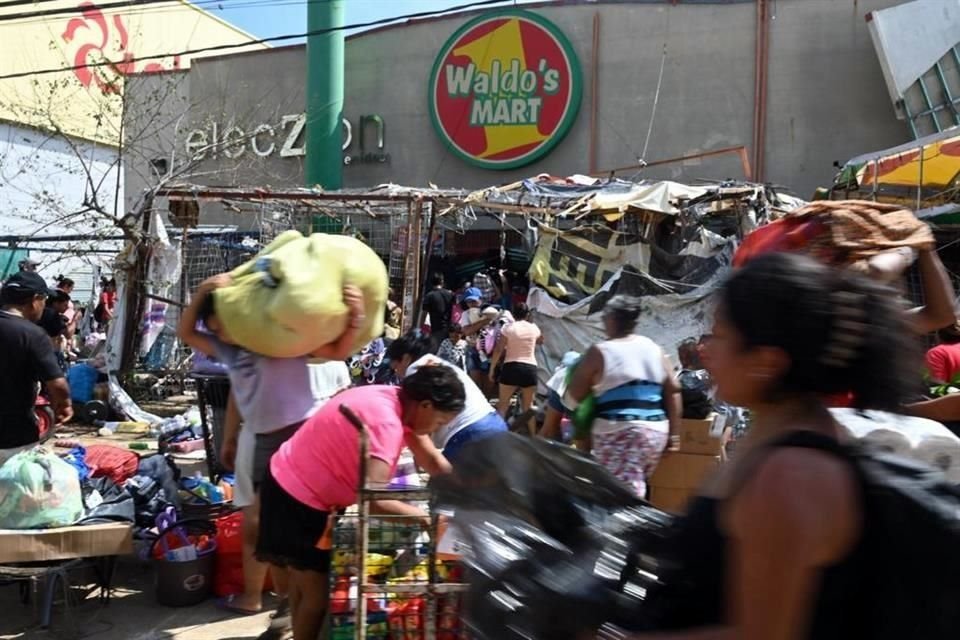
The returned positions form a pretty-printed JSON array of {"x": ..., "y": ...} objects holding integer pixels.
[{"x": 209, "y": 249}]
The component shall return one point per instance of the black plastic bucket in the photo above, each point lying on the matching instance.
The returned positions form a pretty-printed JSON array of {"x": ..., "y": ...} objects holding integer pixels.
[
  {"x": 189, "y": 582},
  {"x": 184, "y": 584}
]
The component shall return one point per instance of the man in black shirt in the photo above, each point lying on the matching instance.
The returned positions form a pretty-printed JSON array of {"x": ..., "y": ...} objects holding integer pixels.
[
  {"x": 52, "y": 320},
  {"x": 28, "y": 358},
  {"x": 438, "y": 304},
  {"x": 55, "y": 323}
]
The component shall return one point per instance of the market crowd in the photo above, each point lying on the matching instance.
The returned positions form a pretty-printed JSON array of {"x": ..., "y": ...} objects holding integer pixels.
[{"x": 781, "y": 543}]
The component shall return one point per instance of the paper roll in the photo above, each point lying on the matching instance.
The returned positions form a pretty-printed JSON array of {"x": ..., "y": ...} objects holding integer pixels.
[
  {"x": 940, "y": 453},
  {"x": 890, "y": 441}
]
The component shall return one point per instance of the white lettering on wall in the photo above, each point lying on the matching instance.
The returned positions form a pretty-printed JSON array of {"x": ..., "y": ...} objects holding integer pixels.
[
  {"x": 290, "y": 148},
  {"x": 263, "y": 152},
  {"x": 263, "y": 140},
  {"x": 347, "y": 134},
  {"x": 197, "y": 143},
  {"x": 234, "y": 142}
]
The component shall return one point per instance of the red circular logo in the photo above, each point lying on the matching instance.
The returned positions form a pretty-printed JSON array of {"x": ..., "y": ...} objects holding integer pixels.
[{"x": 505, "y": 89}]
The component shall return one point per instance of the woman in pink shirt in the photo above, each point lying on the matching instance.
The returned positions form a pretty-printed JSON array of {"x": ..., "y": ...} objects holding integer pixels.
[
  {"x": 517, "y": 346},
  {"x": 315, "y": 473}
]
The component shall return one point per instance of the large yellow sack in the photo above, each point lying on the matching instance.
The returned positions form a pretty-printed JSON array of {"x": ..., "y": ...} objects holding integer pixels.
[{"x": 288, "y": 301}]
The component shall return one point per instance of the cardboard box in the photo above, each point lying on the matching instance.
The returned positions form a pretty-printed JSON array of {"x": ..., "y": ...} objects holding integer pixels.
[
  {"x": 65, "y": 543},
  {"x": 670, "y": 500},
  {"x": 700, "y": 437},
  {"x": 683, "y": 470}
]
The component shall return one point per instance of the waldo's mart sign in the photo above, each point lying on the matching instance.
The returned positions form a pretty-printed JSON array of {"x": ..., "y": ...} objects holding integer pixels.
[{"x": 505, "y": 89}]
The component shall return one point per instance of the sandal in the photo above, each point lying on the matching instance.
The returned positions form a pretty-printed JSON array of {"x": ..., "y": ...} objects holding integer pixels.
[{"x": 227, "y": 604}]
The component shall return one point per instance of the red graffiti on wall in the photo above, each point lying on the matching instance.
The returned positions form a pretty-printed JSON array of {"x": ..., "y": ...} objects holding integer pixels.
[{"x": 100, "y": 36}]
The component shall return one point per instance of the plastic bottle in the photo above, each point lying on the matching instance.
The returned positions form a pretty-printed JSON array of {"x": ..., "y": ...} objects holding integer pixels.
[
  {"x": 172, "y": 424},
  {"x": 227, "y": 490}
]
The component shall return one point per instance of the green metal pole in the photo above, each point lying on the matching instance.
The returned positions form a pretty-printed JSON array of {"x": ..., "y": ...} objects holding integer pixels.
[{"x": 323, "y": 164}]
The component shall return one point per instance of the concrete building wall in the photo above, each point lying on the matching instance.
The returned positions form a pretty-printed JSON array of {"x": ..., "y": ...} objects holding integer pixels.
[
  {"x": 85, "y": 102},
  {"x": 827, "y": 98},
  {"x": 46, "y": 182},
  {"x": 159, "y": 110}
]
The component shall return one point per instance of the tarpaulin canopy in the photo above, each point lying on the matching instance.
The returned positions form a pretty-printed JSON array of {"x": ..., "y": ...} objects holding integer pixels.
[
  {"x": 574, "y": 265},
  {"x": 673, "y": 260},
  {"x": 930, "y": 164},
  {"x": 575, "y": 197}
]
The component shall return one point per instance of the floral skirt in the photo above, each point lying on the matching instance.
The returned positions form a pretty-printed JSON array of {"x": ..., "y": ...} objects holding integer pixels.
[{"x": 631, "y": 453}]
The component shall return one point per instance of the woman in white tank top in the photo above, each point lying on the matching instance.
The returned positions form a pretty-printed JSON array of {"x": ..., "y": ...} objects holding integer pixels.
[{"x": 637, "y": 396}]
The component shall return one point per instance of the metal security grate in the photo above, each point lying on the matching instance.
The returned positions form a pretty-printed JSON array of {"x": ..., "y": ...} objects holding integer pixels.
[{"x": 932, "y": 103}]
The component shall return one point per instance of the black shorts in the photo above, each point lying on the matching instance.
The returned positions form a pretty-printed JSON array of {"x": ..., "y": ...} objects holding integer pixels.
[
  {"x": 519, "y": 374},
  {"x": 267, "y": 445},
  {"x": 290, "y": 530}
]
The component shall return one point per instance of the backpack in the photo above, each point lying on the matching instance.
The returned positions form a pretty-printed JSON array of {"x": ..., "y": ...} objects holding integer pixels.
[{"x": 912, "y": 538}]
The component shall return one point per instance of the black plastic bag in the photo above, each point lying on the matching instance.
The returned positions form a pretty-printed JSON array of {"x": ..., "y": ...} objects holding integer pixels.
[
  {"x": 115, "y": 503},
  {"x": 542, "y": 526}
]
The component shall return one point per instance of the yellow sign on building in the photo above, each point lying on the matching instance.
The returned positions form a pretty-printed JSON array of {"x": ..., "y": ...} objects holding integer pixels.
[{"x": 86, "y": 102}]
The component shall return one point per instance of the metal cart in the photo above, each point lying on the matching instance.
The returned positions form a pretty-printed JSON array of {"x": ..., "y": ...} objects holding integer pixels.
[
  {"x": 213, "y": 391},
  {"x": 431, "y": 590}
]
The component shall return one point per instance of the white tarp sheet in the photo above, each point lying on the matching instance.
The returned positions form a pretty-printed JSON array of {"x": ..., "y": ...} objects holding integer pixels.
[
  {"x": 666, "y": 319},
  {"x": 659, "y": 196},
  {"x": 162, "y": 275}
]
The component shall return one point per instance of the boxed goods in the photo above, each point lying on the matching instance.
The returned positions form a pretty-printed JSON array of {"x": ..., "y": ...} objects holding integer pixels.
[
  {"x": 670, "y": 500},
  {"x": 701, "y": 437},
  {"x": 677, "y": 477},
  {"x": 344, "y": 627},
  {"x": 683, "y": 470},
  {"x": 65, "y": 543}
]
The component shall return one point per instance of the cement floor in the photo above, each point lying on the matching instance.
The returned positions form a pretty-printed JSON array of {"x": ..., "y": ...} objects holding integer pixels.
[{"x": 133, "y": 614}]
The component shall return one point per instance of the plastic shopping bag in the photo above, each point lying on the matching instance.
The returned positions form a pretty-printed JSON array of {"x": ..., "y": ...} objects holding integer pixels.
[{"x": 38, "y": 490}]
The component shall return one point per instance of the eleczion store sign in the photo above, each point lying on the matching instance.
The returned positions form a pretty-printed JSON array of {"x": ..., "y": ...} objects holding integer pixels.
[
  {"x": 505, "y": 89},
  {"x": 287, "y": 139}
]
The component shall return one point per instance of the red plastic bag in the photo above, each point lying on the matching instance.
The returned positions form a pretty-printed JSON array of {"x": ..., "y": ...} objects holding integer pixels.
[
  {"x": 228, "y": 557},
  {"x": 113, "y": 462},
  {"x": 789, "y": 235},
  {"x": 230, "y": 533}
]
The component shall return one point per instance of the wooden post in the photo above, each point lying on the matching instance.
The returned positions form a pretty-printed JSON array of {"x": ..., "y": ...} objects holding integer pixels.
[
  {"x": 408, "y": 292},
  {"x": 424, "y": 271},
  {"x": 594, "y": 92},
  {"x": 411, "y": 272},
  {"x": 136, "y": 290}
]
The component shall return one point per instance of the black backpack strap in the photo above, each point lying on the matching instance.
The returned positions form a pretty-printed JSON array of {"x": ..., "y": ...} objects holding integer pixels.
[
  {"x": 800, "y": 439},
  {"x": 812, "y": 440}
]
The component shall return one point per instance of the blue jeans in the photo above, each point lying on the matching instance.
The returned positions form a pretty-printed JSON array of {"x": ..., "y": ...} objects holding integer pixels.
[
  {"x": 489, "y": 425},
  {"x": 474, "y": 363}
]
